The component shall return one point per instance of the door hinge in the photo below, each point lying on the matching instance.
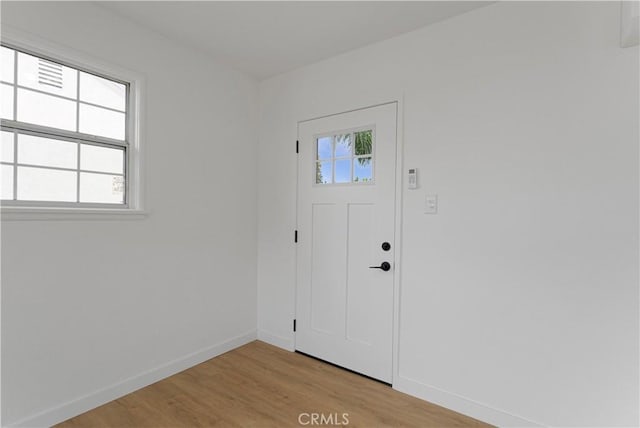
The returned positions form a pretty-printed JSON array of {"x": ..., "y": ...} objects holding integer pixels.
[
  {"x": 294, "y": 325},
  {"x": 297, "y": 146},
  {"x": 295, "y": 237}
]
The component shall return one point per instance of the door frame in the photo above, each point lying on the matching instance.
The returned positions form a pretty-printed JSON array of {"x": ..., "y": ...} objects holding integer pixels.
[{"x": 397, "y": 260}]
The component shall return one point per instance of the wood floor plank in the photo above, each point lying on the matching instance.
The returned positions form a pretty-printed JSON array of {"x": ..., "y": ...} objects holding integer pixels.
[{"x": 261, "y": 386}]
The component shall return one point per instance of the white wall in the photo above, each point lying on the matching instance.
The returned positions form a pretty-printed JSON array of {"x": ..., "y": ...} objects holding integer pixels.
[
  {"x": 519, "y": 300},
  {"x": 87, "y": 305}
]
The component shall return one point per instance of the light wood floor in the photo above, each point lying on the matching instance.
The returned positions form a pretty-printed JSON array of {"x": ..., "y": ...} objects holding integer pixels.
[{"x": 259, "y": 385}]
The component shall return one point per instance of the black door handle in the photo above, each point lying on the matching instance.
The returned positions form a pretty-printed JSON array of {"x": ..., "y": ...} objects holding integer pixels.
[{"x": 385, "y": 266}]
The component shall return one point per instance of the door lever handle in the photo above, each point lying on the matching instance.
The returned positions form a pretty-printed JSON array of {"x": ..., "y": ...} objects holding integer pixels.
[{"x": 385, "y": 266}]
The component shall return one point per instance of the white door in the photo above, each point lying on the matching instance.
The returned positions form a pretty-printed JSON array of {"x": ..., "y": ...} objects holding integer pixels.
[{"x": 346, "y": 206}]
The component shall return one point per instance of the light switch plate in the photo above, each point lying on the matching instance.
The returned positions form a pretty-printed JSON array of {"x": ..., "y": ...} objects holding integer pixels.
[{"x": 431, "y": 204}]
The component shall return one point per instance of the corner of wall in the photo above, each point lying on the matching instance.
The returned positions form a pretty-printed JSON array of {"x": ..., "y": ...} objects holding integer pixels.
[
  {"x": 90, "y": 401},
  {"x": 285, "y": 343}
]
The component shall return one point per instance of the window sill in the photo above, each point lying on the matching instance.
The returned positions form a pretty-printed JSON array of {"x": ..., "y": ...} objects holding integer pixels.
[{"x": 39, "y": 214}]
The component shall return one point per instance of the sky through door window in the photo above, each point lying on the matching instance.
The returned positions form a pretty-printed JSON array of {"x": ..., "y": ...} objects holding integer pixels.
[{"x": 65, "y": 133}]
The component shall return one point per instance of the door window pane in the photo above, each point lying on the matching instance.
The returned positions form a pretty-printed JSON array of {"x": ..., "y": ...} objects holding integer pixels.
[
  {"x": 47, "y": 76},
  {"x": 343, "y": 171},
  {"x": 40, "y": 184},
  {"x": 46, "y": 110},
  {"x": 6, "y": 154},
  {"x": 324, "y": 172},
  {"x": 102, "y": 159},
  {"x": 362, "y": 169},
  {"x": 47, "y": 152},
  {"x": 325, "y": 148},
  {"x": 6, "y": 187},
  {"x": 102, "y": 122},
  {"x": 101, "y": 188},
  {"x": 343, "y": 145},
  {"x": 6, "y": 70},
  {"x": 6, "y": 105},
  {"x": 364, "y": 143},
  {"x": 107, "y": 93}
]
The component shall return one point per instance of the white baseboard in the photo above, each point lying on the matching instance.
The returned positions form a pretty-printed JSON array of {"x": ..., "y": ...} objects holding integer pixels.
[
  {"x": 461, "y": 404},
  {"x": 276, "y": 340},
  {"x": 90, "y": 401}
]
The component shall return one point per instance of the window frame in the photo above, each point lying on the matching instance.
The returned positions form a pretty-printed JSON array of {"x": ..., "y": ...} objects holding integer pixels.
[
  {"x": 132, "y": 144},
  {"x": 352, "y": 157}
]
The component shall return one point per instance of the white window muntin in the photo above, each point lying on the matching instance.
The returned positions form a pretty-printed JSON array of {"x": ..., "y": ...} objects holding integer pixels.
[
  {"x": 332, "y": 135},
  {"x": 79, "y": 69},
  {"x": 17, "y": 127},
  {"x": 78, "y": 170}
]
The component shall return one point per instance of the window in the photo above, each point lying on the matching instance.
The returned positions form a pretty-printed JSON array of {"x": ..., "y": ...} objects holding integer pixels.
[
  {"x": 345, "y": 158},
  {"x": 65, "y": 134}
]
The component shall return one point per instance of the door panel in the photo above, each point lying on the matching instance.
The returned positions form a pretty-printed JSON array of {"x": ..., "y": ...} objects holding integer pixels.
[
  {"x": 327, "y": 263},
  {"x": 346, "y": 207},
  {"x": 360, "y": 255}
]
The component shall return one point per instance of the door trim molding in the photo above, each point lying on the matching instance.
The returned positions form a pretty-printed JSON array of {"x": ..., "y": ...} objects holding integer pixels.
[
  {"x": 397, "y": 99},
  {"x": 343, "y": 112},
  {"x": 397, "y": 272}
]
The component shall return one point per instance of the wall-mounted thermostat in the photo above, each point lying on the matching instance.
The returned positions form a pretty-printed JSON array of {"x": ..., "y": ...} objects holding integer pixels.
[{"x": 412, "y": 178}]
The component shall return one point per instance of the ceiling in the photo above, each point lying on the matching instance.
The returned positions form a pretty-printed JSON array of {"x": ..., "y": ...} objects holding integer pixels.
[{"x": 265, "y": 38}]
